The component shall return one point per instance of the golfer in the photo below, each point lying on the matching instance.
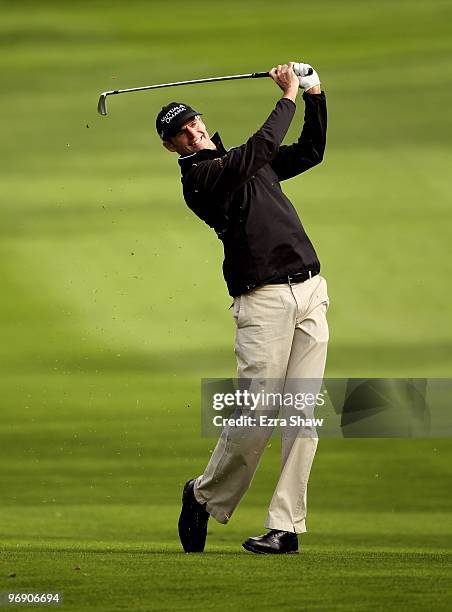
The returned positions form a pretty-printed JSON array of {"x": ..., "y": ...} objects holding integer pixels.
[{"x": 280, "y": 299}]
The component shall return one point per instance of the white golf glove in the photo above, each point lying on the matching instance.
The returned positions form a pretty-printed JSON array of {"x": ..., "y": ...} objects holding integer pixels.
[{"x": 307, "y": 76}]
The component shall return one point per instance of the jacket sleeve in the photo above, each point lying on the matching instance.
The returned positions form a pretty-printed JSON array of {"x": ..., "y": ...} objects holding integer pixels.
[
  {"x": 308, "y": 150},
  {"x": 226, "y": 174}
]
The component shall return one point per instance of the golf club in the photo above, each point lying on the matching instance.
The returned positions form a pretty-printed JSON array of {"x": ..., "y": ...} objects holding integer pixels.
[{"x": 102, "y": 104}]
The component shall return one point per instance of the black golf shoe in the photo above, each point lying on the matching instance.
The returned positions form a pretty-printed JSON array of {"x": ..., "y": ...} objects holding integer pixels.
[
  {"x": 274, "y": 542},
  {"x": 192, "y": 521}
]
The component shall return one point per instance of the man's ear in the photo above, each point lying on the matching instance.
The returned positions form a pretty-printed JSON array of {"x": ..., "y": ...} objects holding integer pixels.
[{"x": 169, "y": 145}]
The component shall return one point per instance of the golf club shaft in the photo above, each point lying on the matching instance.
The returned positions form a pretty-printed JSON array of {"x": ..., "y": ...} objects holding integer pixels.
[
  {"x": 102, "y": 108},
  {"x": 253, "y": 75}
]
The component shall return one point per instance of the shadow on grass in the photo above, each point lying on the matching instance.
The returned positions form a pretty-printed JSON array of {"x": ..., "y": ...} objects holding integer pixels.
[{"x": 346, "y": 554}]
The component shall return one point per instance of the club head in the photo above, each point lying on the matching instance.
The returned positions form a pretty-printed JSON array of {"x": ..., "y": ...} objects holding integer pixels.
[{"x": 102, "y": 104}]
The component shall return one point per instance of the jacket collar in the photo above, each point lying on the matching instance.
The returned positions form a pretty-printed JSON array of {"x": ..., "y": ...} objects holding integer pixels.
[{"x": 187, "y": 161}]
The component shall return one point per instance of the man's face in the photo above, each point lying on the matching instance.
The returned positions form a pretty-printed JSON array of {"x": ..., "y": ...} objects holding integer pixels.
[{"x": 192, "y": 137}]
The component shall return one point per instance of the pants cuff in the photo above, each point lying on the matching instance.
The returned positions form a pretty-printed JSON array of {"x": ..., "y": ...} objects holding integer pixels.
[
  {"x": 272, "y": 524},
  {"x": 218, "y": 515}
]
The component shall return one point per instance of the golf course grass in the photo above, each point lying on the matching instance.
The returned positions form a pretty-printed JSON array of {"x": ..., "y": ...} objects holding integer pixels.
[{"x": 113, "y": 307}]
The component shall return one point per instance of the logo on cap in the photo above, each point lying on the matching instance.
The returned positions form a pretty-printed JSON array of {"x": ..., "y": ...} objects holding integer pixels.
[{"x": 173, "y": 113}]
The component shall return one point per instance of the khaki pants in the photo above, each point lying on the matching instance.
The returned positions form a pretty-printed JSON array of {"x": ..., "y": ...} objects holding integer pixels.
[{"x": 282, "y": 333}]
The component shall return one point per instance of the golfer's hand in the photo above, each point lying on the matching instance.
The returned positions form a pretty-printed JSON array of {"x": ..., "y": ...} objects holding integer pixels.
[
  {"x": 286, "y": 79},
  {"x": 310, "y": 83}
]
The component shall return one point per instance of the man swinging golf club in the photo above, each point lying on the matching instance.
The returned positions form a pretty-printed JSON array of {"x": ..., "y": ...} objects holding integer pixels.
[{"x": 280, "y": 299}]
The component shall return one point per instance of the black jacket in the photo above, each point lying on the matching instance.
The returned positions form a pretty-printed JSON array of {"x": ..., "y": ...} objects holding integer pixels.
[{"x": 237, "y": 192}]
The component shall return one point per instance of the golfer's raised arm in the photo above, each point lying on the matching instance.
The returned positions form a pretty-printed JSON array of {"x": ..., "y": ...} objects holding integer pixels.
[
  {"x": 307, "y": 152},
  {"x": 225, "y": 174}
]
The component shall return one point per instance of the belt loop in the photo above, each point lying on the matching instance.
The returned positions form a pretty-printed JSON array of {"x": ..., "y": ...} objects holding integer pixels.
[
  {"x": 288, "y": 280},
  {"x": 310, "y": 273}
]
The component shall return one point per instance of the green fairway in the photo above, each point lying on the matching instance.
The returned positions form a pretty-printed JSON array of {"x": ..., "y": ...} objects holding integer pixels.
[
  {"x": 91, "y": 509},
  {"x": 113, "y": 307}
]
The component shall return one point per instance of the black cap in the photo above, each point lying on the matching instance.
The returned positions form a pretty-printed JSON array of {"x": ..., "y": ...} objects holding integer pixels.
[{"x": 172, "y": 117}]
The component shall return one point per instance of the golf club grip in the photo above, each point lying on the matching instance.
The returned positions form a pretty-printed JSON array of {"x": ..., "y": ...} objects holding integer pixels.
[{"x": 258, "y": 75}]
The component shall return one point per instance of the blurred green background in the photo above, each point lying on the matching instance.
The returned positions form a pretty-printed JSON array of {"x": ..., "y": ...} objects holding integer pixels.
[{"x": 113, "y": 306}]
